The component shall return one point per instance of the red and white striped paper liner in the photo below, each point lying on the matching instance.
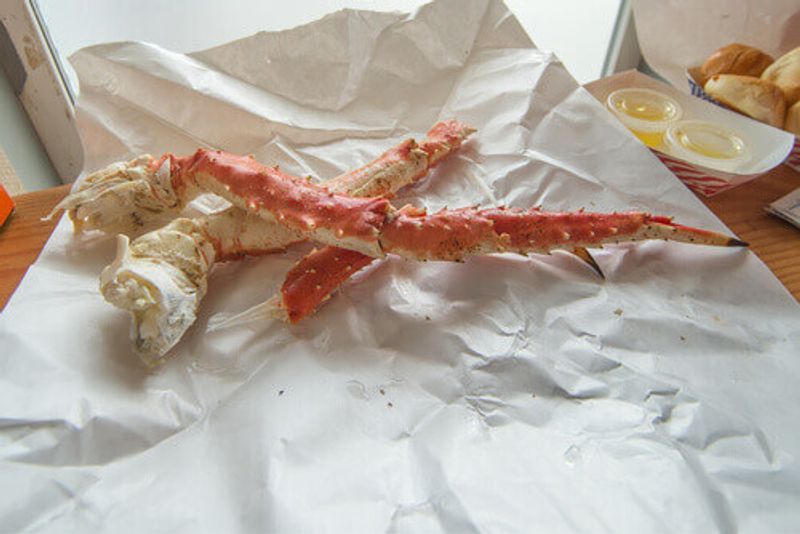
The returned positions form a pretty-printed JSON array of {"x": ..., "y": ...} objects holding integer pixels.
[{"x": 695, "y": 178}]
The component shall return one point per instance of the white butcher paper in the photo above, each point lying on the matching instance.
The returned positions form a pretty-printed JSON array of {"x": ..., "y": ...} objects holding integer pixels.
[{"x": 505, "y": 394}]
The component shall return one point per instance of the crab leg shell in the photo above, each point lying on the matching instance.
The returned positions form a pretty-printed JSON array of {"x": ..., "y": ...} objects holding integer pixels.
[
  {"x": 394, "y": 169},
  {"x": 312, "y": 210},
  {"x": 450, "y": 235},
  {"x": 315, "y": 277},
  {"x": 404, "y": 164},
  {"x": 236, "y": 233},
  {"x": 311, "y": 281},
  {"x": 127, "y": 197}
]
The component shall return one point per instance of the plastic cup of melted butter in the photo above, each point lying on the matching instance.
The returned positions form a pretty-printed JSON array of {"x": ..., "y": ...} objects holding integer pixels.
[
  {"x": 708, "y": 144},
  {"x": 647, "y": 113}
]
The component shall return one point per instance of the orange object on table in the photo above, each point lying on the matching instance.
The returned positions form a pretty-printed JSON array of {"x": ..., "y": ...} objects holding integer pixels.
[{"x": 6, "y": 205}]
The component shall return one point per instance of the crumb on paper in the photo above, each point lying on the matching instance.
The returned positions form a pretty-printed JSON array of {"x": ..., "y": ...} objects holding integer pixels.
[
  {"x": 618, "y": 312},
  {"x": 382, "y": 391}
]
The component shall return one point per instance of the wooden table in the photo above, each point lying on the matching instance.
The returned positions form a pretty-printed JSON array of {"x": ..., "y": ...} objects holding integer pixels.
[
  {"x": 776, "y": 242},
  {"x": 24, "y": 235}
]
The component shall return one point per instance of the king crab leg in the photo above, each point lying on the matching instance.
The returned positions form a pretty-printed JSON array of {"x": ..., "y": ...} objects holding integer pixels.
[
  {"x": 452, "y": 235},
  {"x": 236, "y": 233},
  {"x": 312, "y": 210},
  {"x": 161, "y": 277},
  {"x": 311, "y": 281},
  {"x": 316, "y": 212},
  {"x": 373, "y": 227}
]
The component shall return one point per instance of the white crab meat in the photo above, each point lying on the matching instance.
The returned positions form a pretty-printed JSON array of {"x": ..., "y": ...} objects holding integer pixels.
[
  {"x": 160, "y": 279},
  {"x": 123, "y": 198}
]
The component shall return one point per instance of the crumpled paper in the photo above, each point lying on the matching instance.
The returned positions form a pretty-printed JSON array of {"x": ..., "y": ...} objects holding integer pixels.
[{"x": 506, "y": 394}]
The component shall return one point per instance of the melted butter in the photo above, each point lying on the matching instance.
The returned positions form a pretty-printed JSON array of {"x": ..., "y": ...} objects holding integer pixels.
[
  {"x": 651, "y": 139},
  {"x": 707, "y": 143},
  {"x": 645, "y": 107},
  {"x": 710, "y": 143},
  {"x": 645, "y": 112}
]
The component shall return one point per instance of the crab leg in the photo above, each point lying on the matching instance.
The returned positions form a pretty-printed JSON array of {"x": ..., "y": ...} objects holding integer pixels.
[
  {"x": 127, "y": 197},
  {"x": 441, "y": 140},
  {"x": 311, "y": 210},
  {"x": 244, "y": 234},
  {"x": 317, "y": 212},
  {"x": 311, "y": 281},
  {"x": 451, "y": 235},
  {"x": 161, "y": 276}
]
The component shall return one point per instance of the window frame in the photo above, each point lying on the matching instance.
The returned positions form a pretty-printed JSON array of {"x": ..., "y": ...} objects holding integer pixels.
[
  {"x": 623, "y": 50},
  {"x": 38, "y": 83}
]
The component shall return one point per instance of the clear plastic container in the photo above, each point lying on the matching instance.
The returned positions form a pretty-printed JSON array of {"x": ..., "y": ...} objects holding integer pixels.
[
  {"x": 645, "y": 112},
  {"x": 708, "y": 144}
]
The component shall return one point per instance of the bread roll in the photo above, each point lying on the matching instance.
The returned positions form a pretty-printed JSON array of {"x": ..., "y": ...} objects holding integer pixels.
[
  {"x": 785, "y": 73},
  {"x": 754, "y": 97},
  {"x": 735, "y": 59},
  {"x": 792, "y": 124}
]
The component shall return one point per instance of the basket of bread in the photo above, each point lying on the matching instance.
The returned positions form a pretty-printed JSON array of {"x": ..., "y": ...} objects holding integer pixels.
[{"x": 751, "y": 82}]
